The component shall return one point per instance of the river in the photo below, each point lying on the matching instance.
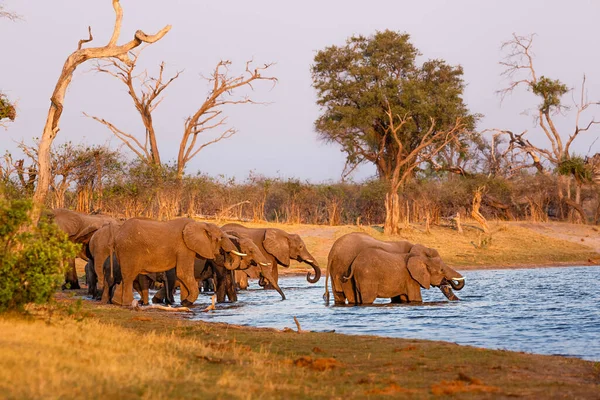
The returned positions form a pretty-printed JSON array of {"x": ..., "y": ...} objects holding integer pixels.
[{"x": 542, "y": 310}]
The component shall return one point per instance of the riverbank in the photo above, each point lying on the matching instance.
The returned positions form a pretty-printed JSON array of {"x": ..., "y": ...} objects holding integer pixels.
[
  {"x": 106, "y": 351},
  {"x": 508, "y": 245},
  {"x": 80, "y": 349}
]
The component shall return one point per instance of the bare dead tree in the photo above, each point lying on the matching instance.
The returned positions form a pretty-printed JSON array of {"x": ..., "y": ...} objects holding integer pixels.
[
  {"x": 11, "y": 15},
  {"x": 145, "y": 100},
  {"x": 520, "y": 70},
  {"x": 209, "y": 115},
  {"x": 79, "y": 56},
  {"x": 508, "y": 153}
]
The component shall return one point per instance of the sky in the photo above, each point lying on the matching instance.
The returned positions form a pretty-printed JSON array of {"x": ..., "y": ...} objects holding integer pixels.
[{"x": 278, "y": 139}]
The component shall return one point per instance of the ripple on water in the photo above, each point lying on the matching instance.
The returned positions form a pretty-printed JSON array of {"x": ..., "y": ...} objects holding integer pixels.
[{"x": 544, "y": 310}]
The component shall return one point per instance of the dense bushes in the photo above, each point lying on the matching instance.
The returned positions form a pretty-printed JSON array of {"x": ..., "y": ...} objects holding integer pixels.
[
  {"x": 134, "y": 189},
  {"x": 32, "y": 264}
]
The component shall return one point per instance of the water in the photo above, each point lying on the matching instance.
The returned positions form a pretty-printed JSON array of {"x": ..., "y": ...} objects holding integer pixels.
[{"x": 543, "y": 310}]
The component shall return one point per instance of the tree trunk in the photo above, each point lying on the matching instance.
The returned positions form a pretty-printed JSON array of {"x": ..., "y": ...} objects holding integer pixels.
[
  {"x": 475, "y": 212},
  {"x": 392, "y": 213},
  {"x": 98, "y": 187},
  {"x": 51, "y": 127}
]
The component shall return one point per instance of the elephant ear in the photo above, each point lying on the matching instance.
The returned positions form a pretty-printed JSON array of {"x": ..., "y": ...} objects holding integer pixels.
[
  {"x": 68, "y": 221},
  {"x": 196, "y": 238},
  {"x": 418, "y": 270},
  {"x": 276, "y": 244},
  {"x": 86, "y": 233}
]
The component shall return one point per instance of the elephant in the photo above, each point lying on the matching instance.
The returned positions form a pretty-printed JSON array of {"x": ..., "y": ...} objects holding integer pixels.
[
  {"x": 376, "y": 273},
  {"x": 79, "y": 227},
  {"x": 278, "y": 247},
  {"x": 98, "y": 251},
  {"x": 346, "y": 249},
  {"x": 145, "y": 246},
  {"x": 224, "y": 281}
]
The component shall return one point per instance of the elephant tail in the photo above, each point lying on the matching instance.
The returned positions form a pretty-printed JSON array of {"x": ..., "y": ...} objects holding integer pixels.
[
  {"x": 326, "y": 294},
  {"x": 347, "y": 278},
  {"x": 111, "y": 252}
]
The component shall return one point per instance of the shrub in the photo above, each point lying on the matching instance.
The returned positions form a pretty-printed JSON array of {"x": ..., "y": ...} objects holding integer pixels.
[{"x": 32, "y": 263}]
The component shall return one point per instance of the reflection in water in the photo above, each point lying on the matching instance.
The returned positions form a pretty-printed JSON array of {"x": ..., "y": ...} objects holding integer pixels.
[{"x": 544, "y": 310}]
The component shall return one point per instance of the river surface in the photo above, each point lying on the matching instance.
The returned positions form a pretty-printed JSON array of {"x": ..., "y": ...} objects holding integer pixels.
[{"x": 543, "y": 310}]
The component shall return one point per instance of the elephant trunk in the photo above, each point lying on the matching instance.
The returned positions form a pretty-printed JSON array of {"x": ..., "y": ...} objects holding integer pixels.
[
  {"x": 276, "y": 286},
  {"x": 447, "y": 290},
  {"x": 457, "y": 284},
  {"x": 317, "y": 272},
  {"x": 232, "y": 261}
]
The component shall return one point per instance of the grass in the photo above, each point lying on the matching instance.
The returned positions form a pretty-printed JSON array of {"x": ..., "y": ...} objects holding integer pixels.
[{"x": 117, "y": 353}]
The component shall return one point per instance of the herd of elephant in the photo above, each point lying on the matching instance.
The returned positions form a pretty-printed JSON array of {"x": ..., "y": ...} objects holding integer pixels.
[{"x": 123, "y": 256}]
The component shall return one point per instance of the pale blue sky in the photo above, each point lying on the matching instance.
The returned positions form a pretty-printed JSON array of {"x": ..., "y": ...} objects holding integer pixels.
[{"x": 279, "y": 139}]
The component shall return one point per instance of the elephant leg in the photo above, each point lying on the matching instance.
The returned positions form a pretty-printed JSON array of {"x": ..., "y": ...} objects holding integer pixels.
[
  {"x": 401, "y": 298},
  {"x": 220, "y": 289},
  {"x": 98, "y": 270},
  {"x": 144, "y": 285},
  {"x": 91, "y": 278},
  {"x": 71, "y": 281},
  {"x": 123, "y": 294},
  {"x": 170, "y": 284},
  {"x": 127, "y": 297},
  {"x": 185, "y": 274},
  {"x": 241, "y": 280},
  {"x": 230, "y": 287},
  {"x": 159, "y": 297},
  {"x": 136, "y": 286},
  {"x": 414, "y": 293},
  {"x": 274, "y": 274},
  {"x": 339, "y": 296}
]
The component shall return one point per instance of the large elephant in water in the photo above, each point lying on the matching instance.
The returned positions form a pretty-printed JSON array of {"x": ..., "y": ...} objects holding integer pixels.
[
  {"x": 144, "y": 246},
  {"x": 79, "y": 227},
  {"x": 348, "y": 247},
  {"x": 375, "y": 273},
  {"x": 279, "y": 247},
  {"x": 223, "y": 275}
]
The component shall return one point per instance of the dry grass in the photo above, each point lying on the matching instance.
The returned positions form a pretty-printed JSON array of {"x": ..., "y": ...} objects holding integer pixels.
[
  {"x": 511, "y": 244},
  {"x": 116, "y": 354}
]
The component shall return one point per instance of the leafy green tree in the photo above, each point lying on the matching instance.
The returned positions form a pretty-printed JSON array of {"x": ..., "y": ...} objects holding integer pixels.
[
  {"x": 382, "y": 107},
  {"x": 7, "y": 110},
  {"x": 32, "y": 264}
]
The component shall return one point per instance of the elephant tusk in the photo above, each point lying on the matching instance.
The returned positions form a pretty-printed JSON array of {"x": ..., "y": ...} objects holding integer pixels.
[
  {"x": 309, "y": 261},
  {"x": 458, "y": 279},
  {"x": 237, "y": 253},
  {"x": 265, "y": 264}
]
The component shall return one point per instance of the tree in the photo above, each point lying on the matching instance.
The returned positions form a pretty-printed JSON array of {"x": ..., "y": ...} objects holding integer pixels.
[
  {"x": 4, "y": 13},
  {"x": 381, "y": 107},
  {"x": 146, "y": 91},
  {"x": 520, "y": 70},
  {"x": 7, "y": 109},
  {"x": 79, "y": 56}
]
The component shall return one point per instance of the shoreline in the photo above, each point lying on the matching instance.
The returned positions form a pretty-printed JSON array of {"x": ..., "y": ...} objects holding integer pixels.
[{"x": 564, "y": 264}]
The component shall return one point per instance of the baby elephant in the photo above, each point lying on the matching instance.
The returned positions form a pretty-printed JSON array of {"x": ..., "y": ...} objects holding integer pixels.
[{"x": 400, "y": 277}]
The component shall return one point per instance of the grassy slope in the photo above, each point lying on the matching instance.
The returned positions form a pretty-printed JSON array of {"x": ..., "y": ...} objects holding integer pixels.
[{"x": 115, "y": 352}]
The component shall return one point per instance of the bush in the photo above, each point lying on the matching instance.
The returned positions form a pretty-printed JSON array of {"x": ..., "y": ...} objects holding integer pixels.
[{"x": 32, "y": 264}]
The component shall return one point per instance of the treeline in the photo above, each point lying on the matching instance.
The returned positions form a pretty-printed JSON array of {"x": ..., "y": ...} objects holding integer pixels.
[{"x": 98, "y": 180}]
